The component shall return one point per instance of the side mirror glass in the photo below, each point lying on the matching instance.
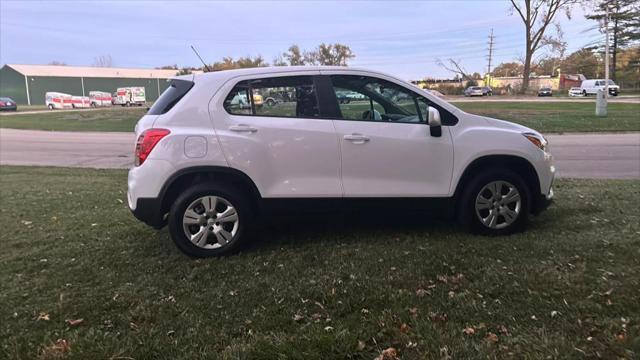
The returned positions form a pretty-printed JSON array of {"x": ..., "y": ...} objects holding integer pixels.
[{"x": 435, "y": 124}]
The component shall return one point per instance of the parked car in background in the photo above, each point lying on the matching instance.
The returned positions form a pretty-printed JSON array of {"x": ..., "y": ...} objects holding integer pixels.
[
  {"x": 474, "y": 91},
  {"x": 591, "y": 87},
  {"x": 213, "y": 170},
  {"x": 487, "y": 91},
  {"x": 575, "y": 91},
  {"x": 78, "y": 102},
  {"x": 130, "y": 96},
  {"x": 100, "y": 98},
  {"x": 7, "y": 104},
  {"x": 545, "y": 91},
  {"x": 56, "y": 100}
]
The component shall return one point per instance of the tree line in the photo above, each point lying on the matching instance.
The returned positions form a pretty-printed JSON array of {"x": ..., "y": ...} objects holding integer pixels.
[{"x": 325, "y": 54}]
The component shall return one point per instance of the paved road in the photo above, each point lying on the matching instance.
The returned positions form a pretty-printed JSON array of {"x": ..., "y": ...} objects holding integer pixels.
[
  {"x": 614, "y": 156},
  {"x": 629, "y": 99}
]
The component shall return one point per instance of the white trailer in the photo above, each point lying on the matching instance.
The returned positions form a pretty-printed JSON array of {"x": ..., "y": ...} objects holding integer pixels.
[
  {"x": 129, "y": 96},
  {"x": 56, "y": 100},
  {"x": 78, "y": 102},
  {"x": 100, "y": 98}
]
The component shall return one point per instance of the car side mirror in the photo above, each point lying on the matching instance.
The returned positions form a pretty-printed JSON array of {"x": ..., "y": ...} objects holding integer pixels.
[{"x": 435, "y": 124}]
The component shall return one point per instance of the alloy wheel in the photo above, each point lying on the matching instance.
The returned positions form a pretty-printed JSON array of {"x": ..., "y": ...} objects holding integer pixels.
[
  {"x": 498, "y": 204},
  {"x": 210, "y": 222}
]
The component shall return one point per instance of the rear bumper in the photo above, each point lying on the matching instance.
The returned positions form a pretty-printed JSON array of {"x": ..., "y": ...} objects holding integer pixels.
[{"x": 148, "y": 210}]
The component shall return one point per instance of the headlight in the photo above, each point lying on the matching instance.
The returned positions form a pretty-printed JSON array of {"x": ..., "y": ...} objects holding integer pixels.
[{"x": 537, "y": 140}]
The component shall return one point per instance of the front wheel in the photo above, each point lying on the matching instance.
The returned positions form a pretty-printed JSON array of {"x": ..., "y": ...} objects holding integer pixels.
[
  {"x": 210, "y": 220},
  {"x": 495, "y": 203}
]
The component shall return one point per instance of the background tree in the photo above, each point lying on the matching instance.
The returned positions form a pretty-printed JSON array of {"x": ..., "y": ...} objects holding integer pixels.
[
  {"x": 103, "y": 61},
  {"x": 508, "y": 69},
  {"x": 456, "y": 68},
  {"x": 57, "y": 63},
  {"x": 229, "y": 63},
  {"x": 168, "y": 67},
  {"x": 583, "y": 61},
  {"x": 333, "y": 54},
  {"x": 537, "y": 15},
  {"x": 293, "y": 56},
  {"x": 624, "y": 25}
]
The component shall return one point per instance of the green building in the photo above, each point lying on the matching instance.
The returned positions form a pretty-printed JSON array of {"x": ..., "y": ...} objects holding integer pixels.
[{"x": 27, "y": 84}]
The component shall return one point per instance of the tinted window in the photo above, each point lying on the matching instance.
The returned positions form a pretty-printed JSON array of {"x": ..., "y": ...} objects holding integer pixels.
[
  {"x": 170, "y": 97},
  {"x": 372, "y": 99},
  {"x": 237, "y": 102},
  {"x": 292, "y": 96}
]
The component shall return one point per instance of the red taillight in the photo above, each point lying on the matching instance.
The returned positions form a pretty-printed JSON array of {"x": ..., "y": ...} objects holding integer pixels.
[{"x": 146, "y": 142}]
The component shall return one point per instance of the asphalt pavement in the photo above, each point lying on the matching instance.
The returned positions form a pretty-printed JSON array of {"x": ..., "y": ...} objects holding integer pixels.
[{"x": 597, "y": 156}]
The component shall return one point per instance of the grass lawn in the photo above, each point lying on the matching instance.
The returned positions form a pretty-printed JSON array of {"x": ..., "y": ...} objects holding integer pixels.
[
  {"x": 544, "y": 117},
  {"x": 567, "y": 288},
  {"x": 559, "y": 116},
  {"x": 110, "y": 119}
]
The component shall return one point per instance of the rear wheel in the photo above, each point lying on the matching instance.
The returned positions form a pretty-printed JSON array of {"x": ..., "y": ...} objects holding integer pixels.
[
  {"x": 495, "y": 202},
  {"x": 584, "y": 92},
  {"x": 51, "y": 107},
  {"x": 210, "y": 220}
]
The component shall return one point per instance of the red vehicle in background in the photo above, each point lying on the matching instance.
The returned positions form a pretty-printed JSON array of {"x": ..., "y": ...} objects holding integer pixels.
[{"x": 8, "y": 104}]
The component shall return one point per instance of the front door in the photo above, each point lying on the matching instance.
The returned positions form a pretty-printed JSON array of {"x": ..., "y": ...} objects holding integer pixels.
[{"x": 385, "y": 142}]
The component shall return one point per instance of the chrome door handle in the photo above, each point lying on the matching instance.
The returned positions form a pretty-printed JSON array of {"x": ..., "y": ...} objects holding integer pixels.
[
  {"x": 356, "y": 138},
  {"x": 243, "y": 128}
]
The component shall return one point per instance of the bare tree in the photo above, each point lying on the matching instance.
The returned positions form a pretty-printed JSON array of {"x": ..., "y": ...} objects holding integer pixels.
[
  {"x": 103, "y": 61},
  {"x": 536, "y": 16},
  {"x": 455, "y": 67},
  {"x": 57, "y": 63}
]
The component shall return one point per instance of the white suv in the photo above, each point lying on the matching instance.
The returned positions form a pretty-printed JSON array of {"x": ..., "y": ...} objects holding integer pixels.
[{"x": 212, "y": 167}]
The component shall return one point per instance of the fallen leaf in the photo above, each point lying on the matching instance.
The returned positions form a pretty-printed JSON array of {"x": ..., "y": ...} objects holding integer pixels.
[
  {"x": 621, "y": 336},
  {"x": 554, "y": 313},
  {"x": 422, "y": 292},
  {"x": 361, "y": 345},
  {"x": 452, "y": 294},
  {"x": 469, "y": 331},
  {"x": 43, "y": 316},
  {"x": 56, "y": 349},
  {"x": 328, "y": 328},
  {"x": 74, "y": 322},
  {"x": 404, "y": 328},
  {"x": 413, "y": 312},
  {"x": 388, "y": 354},
  {"x": 437, "y": 317},
  {"x": 491, "y": 337},
  {"x": 297, "y": 317}
]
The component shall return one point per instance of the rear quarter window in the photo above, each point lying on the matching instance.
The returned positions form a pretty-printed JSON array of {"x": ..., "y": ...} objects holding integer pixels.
[{"x": 170, "y": 97}]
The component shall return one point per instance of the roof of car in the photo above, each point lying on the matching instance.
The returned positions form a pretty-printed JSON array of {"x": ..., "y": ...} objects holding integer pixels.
[{"x": 274, "y": 70}]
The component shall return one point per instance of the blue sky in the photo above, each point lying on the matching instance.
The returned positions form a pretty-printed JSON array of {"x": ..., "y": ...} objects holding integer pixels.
[{"x": 403, "y": 38}]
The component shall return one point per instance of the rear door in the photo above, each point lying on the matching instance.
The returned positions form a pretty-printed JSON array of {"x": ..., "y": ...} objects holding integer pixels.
[
  {"x": 287, "y": 147},
  {"x": 386, "y": 146}
]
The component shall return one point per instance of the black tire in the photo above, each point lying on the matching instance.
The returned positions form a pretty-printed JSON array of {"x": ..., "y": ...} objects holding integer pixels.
[
  {"x": 467, "y": 210},
  {"x": 51, "y": 107},
  {"x": 270, "y": 102},
  {"x": 584, "y": 93},
  {"x": 239, "y": 201}
]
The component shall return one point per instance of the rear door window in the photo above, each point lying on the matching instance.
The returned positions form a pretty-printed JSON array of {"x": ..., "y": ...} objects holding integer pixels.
[
  {"x": 289, "y": 96},
  {"x": 170, "y": 97}
]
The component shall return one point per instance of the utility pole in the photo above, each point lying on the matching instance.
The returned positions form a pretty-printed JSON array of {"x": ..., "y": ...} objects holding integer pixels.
[
  {"x": 606, "y": 51},
  {"x": 601, "y": 101},
  {"x": 491, "y": 38}
]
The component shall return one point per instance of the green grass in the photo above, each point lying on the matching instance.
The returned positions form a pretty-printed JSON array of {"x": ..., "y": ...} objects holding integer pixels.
[
  {"x": 544, "y": 117},
  {"x": 566, "y": 288},
  {"x": 112, "y": 119},
  {"x": 559, "y": 116}
]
